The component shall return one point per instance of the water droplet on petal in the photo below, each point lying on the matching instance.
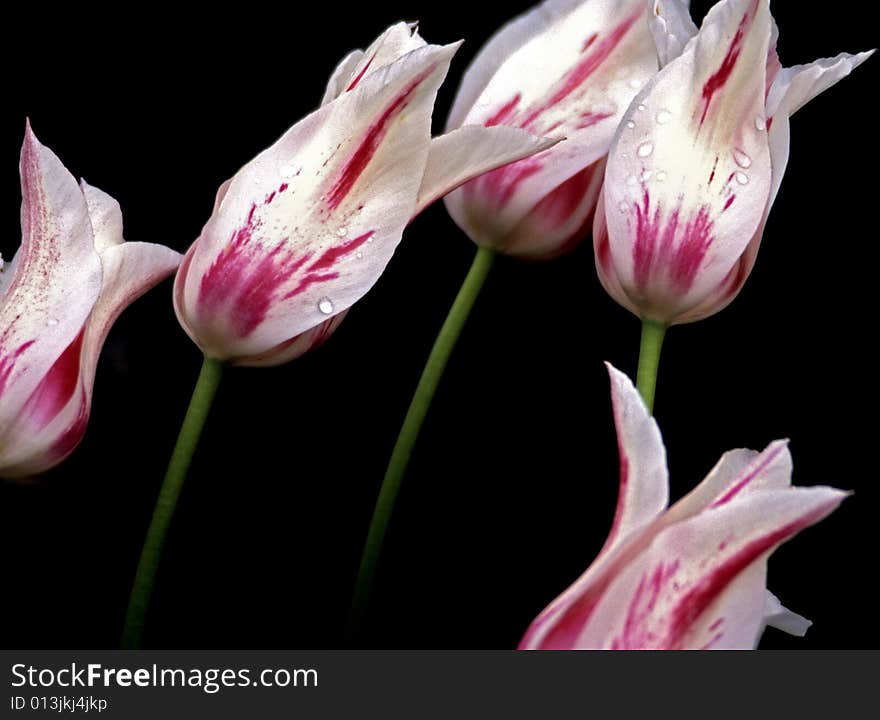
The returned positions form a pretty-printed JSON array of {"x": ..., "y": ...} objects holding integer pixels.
[
  {"x": 640, "y": 107},
  {"x": 343, "y": 231},
  {"x": 742, "y": 159},
  {"x": 645, "y": 149},
  {"x": 760, "y": 124},
  {"x": 635, "y": 83},
  {"x": 359, "y": 255},
  {"x": 646, "y": 175},
  {"x": 663, "y": 117},
  {"x": 630, "y": 124},
  {"x": 661, "y": 176},
  {"x": 631, "y": 180},
  {"x": 325, "y": 305},
  {"x": 52, "y": 321},
  {"x": 742, "y": 178}
]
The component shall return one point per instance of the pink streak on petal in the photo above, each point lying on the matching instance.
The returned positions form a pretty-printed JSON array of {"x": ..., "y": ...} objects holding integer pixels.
[
  {"x": 696, "y": 600},
  {"x": 7, "y": 362},
  {"x": 579, "y": 74},
  {"x": 556, "y": 208},
  {"x": 56, "y": 388},
  {"x": 364, "y": 153},
  {"x": 504, "y": 112},
  {"x": 728, "y": 203},
  {"x": 360, "y": 75},
  {"x": 655, "y": 248},
  {"x": 308, "y": 281},
  {"x": 750, "y": 475},
  {"x": 719, "y": 78},
  {"x": 329, "y": 257}
]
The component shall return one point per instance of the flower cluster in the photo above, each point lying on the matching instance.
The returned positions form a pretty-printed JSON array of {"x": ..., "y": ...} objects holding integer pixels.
[{"x": 616, "y": 117}]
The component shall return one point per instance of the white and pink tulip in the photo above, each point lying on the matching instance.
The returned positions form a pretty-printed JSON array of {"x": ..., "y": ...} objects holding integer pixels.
[
  {"x": 306, "y": 228},
  {"x": 566, "y": 69},
  {"x": 698, "y": 159},
  {"x": 69, "y": 281},
  {"x": 692, "y": 576}
]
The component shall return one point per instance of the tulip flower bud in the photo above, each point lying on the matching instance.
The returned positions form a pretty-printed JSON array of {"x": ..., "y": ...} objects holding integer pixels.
[
  {"x": 692, "y": 576},
  {"x": 698, "y": 159},
  {"x": 64, "y": 289},
  {"x": 306, "y": 228},
  {"x": 567, "y": 70}
]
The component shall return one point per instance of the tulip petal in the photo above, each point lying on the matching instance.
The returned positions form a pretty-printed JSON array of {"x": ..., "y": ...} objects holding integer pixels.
[
  {"x": 342, "y": 76},
  {"x": 308, "y": 226},
  {"x": 56, "y": 278},
  {"x": 682, "y": 592},
  {"x": 105, "y": 215},
  {"x": 644, "y": 479},
  {"x": 295, "y": 347},
  {"x": 472, "y": 150},
  {"x": 688, "y": 176},
  {"x": 672, "y": 28},
  {"x": 564, "y": 69},
  {"x": 781, "y": 618},
  {"x": 398, "y": 40},
  {"x": 642, "y": 497},
  {"x": 53, "y": 420},
  {"x": 791, "y": 89}
]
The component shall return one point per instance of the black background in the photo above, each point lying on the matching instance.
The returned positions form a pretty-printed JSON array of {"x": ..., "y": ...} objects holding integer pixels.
[{"x": 512, "y": 486}]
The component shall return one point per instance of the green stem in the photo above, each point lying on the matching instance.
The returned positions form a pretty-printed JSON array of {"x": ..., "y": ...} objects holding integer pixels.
[
  {"x": 412, "y": 424},
  {"x": 649, "y": 360},
  {"x": 196, "y": 414}
]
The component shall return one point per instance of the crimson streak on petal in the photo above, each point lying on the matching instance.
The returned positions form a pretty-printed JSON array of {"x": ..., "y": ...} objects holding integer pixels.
[{"x": 364, "y": 153}]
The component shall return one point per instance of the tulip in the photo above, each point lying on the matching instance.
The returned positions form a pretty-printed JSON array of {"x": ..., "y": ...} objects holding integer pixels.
[
  {"x": 305, "y": 229},
  {"x": 692, "y": 576},
  {"x": 59, "y": 297},
  {"x": 564, "y": 69},
  {"x": 696, "y": 164}
]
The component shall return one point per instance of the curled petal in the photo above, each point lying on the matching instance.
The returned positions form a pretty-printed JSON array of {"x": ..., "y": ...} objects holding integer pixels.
[
  {"x": 644, "y": 479},
  {"x": 55, "y": 281},
  {"x": 465, "y": 153}
]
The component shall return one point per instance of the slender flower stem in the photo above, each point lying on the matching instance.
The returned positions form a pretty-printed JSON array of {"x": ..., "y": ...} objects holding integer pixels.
[
  {"x": 412, "y": 424},
  {"x": 649, "y": 360},
  {"x": 187, "y": 440}
]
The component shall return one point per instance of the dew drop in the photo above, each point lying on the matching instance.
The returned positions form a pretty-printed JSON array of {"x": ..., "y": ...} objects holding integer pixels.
[
  {"x": 742, "y": 178},
  {"x": 646, "y": 175},
  {"x": 760, "y": 124},
  {"x": 640, "y": 107},
  {"x": 52, "y": 321},
  {"x": 663, "y": 117},
  {"x": 635, "y": 83},
  {"x": 359, "y": 255},
  {"x": 742, "y": 159},
  {"x": 342, "y": 232},
  {"x": 630, "y": 124},
  {"x": 631, "y": 180},
  {"x": 645, "y": 149},
  {"x": 325, "y": 305},
  {"x": 661, "y": 176}
]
